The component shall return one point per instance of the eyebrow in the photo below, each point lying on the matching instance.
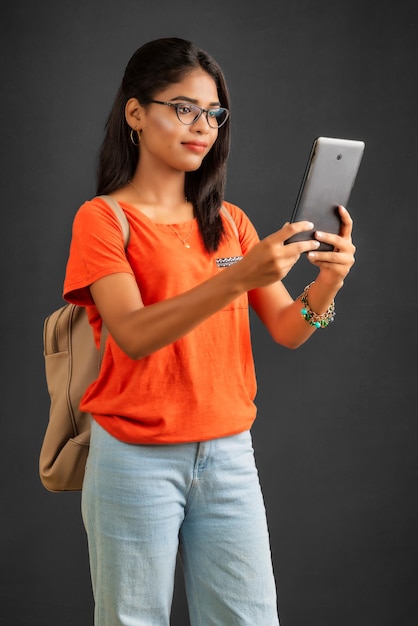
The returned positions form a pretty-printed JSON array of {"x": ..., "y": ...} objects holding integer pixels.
[{"x": 193, "y": 101}]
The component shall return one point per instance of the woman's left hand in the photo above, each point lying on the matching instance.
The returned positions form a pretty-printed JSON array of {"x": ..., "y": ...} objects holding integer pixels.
[{"x": 335, "y": 265}]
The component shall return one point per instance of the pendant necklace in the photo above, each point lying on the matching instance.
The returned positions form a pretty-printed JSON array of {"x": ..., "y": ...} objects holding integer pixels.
[{"x": 182, "y": 239}]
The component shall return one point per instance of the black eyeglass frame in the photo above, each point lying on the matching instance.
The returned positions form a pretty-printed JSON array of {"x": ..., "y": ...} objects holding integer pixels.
[{"x": 176, "y": 105}]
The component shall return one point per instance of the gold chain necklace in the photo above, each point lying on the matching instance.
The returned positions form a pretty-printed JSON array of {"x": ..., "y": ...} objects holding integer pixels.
[{"x": 182, "y": 239}]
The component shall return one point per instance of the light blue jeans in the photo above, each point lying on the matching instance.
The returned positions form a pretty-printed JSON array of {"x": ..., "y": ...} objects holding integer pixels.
[{"x": 142, "y": 504}]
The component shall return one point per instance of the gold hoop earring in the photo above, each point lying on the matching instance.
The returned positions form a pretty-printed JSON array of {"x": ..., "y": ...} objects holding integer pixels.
[{"x": 131, "y": 134}]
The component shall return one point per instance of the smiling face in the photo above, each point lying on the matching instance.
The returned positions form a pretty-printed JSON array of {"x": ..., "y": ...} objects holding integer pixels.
[{"x": 165, "y": 141}]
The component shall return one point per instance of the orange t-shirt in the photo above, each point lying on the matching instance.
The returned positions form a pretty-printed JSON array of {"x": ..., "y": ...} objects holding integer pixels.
[{"x": 197, "y": 388}]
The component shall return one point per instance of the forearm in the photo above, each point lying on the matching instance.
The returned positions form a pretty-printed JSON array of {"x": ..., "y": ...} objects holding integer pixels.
[
  {"x": 152, "y": 327},
  {"x": 191, "y": 308},
  {"x": 322, "y": 292},
  {"x": 283, "y": 316},
  {"x": 314, "y": 318}
]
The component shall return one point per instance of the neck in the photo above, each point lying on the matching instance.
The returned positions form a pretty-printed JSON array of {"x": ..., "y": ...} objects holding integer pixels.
[
  {"x": 167, "y": 190},
  {"x": 163, "y": 203}
]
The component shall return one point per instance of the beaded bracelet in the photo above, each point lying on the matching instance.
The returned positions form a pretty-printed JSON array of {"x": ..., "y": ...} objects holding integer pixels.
[{"x": 318, "y": 320}]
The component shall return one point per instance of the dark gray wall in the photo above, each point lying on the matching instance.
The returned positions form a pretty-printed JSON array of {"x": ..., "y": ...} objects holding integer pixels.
[{"x": 336, "y": 436}]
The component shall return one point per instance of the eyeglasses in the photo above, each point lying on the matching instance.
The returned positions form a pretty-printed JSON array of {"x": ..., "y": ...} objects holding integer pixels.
[{"x": 190, "y": 113}]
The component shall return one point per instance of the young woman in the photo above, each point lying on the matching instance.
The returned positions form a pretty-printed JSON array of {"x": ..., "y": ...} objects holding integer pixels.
[{"x": 171, "y": 466}]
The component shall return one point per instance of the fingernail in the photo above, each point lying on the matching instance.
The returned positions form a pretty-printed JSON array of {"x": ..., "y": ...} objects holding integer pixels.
[{"x": 319, "y": 234}]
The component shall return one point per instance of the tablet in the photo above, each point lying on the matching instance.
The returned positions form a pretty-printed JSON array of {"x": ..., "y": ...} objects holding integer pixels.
[{"x": 327, "y": 183}]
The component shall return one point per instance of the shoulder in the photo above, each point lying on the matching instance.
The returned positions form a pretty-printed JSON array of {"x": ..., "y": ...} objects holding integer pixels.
[
  {"x": 239, "y": 216},
  {"x": 95, "y": 208},
  {"x": 247, "y": 232},
  {"x": 236, "y": 212},
  {"x": 96, "y": 215}
]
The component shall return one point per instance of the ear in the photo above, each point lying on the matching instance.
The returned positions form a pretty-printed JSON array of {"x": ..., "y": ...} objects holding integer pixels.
[{"x": 133, "y": 113}]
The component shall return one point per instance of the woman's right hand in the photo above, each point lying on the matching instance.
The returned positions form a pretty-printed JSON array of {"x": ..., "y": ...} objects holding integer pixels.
[{"x": 271, "y": 259}]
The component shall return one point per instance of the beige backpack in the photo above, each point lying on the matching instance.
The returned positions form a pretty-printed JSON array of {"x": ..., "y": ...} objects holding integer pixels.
[{"x": 72, "y": 362}]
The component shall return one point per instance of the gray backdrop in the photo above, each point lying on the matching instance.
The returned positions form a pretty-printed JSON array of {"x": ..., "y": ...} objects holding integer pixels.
[{"x": 336, "y": 434}]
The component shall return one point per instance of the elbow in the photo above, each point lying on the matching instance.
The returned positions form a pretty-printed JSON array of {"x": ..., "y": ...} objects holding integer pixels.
[
  {"x": 133, "y": 344},
  {"x": 286, "y": 341},
  {"x": 132, "y": 351},
  {"x": 295, "y": 345},
  {"x": 290, "y": 345},
  {"x": 136, "y": 354}
]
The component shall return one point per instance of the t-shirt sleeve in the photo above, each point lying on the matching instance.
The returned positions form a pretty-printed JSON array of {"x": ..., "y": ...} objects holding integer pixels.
[
  {"x": 248, "y": 235},
  {"x": 96, "y": 250}
]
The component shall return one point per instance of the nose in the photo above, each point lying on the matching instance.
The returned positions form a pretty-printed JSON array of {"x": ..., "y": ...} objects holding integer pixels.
[{"x": 202, "y": 124}]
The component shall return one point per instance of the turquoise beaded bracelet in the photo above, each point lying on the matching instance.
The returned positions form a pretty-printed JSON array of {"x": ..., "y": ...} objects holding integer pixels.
[{"x": 318, "y": 320}]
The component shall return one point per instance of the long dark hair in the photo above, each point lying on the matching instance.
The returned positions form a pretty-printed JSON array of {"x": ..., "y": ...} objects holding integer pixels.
[{"x": 153, "y": 67}]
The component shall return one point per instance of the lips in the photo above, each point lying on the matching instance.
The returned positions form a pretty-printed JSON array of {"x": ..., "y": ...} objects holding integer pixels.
[{"x": 195, "y": 146}]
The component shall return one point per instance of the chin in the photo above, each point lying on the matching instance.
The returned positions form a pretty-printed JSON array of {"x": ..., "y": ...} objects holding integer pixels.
[{"x": 190, "y": 166}]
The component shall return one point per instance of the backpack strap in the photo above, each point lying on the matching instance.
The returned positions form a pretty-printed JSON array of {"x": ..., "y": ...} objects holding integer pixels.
[
  {"x": 124, "y": 224},
  {"x": 120, "y": 214},
  {"x": 230, "y": 219}
]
